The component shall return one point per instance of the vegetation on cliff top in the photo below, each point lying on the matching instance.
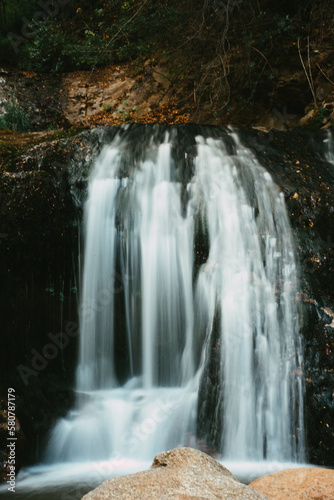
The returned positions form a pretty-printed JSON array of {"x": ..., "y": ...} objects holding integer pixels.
[{"x": 221, "y": 54}]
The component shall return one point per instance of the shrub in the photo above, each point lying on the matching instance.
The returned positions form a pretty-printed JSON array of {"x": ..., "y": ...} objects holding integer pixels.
[
  {"x": 109, "y": 35},
  {"x": 49, "y": 50},
  {"x": 14, "y": 117}
]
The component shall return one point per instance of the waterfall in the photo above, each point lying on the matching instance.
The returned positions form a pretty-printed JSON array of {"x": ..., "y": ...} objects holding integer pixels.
[
  {"x": 174, "y": 263},
  {"x": 249, "y": 282}
]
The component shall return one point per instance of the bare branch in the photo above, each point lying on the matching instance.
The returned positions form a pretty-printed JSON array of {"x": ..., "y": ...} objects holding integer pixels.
[{"x": 309, "y": 78}]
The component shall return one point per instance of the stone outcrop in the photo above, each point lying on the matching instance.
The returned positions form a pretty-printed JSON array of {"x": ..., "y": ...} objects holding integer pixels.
[
  {"x": 306, "y": 483},
  {"x": 73, "y": 99},
  {"x": 182, "y": 473},
  {"x": 120, "y": 94}
]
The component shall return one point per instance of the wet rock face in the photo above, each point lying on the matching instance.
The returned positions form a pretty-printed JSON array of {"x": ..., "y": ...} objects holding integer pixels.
[
  {"x": 297, "y": 162},
  {"x": 180, "y": 473},
  {"x": 42, "y": 194},
  {"x": 38, "y": 246}
]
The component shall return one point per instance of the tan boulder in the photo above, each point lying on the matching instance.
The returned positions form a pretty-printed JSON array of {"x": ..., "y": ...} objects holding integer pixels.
[
  {"x": 182, "y": 474},
  {"x": 306, "y": 483}
]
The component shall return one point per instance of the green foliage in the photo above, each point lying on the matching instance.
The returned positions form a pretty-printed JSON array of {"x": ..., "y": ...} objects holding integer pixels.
[
  {"x": 260, "y": 43},
  {"x": 107, "y": 107},
  {"x": 5, "y": 50},
  {"x": 15, "y": 12},
  {"x": 14, "y": 117},
  {"x": 51, "y": 290},
  {"x": 118, "y": 32},
  {"x": 127, "y": 114},
  {"x": 275, "y": 29},
  {"x": 12, "y": 18},
  {"x": 48, "y": 51}
]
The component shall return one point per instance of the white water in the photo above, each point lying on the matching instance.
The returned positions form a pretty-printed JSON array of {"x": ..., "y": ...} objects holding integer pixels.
[
  {"x": 249, "y": 281},
  {"x": 140, "y": 244},
  {"x": 97, "y": 320}
]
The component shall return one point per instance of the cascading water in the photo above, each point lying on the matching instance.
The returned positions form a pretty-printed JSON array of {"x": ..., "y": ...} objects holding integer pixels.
[
  {"x": 249, "y": 282},
  {"x": 142, "y": 223}
]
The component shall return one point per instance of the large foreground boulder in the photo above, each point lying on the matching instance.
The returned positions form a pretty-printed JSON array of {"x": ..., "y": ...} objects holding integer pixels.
[
  {"x": 183, "y": 473},
  {"x": 306, "y": 483}
]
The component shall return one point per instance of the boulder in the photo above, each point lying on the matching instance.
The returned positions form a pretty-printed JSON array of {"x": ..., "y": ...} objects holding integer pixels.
[
  {"x": 182, "y": 473},
  {"x": 306, "y": 483}
]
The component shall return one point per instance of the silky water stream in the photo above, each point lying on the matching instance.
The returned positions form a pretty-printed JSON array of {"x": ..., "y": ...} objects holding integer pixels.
[{"x": 143, "y": 220}]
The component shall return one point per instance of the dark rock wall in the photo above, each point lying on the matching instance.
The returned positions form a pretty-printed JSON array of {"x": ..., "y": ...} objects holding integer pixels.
[{"x": 38, "y": 267}]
